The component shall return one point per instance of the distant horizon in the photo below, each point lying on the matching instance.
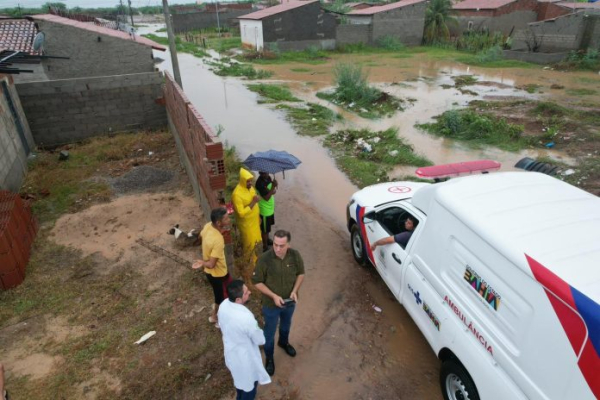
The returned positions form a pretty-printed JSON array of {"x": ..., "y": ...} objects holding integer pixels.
[{"x": 96, "y": 3}]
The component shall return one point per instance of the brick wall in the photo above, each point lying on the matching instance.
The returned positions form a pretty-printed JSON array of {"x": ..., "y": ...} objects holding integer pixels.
[
  {"x": 350, "y": 34},
  {"x": 16, "y": 141},
  {"x": 70, "y": 110},
  {"x": 306, "y": 23},
  {"x": 91, "y": 54},
  {"x": 405, "y": 24},
  {"x": 564, "y": 33},
  {"x": 200, "y": 151},
  {"x": 203, "y": 20},
  {"x": 551, "y": 10}
]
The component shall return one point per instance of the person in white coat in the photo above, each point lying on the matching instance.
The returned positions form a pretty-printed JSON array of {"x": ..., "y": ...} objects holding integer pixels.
[{"x": 241, "y": 338}]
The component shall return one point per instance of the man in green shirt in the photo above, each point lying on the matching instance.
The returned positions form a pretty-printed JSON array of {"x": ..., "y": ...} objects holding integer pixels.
[{"x": 278, "y": 276}]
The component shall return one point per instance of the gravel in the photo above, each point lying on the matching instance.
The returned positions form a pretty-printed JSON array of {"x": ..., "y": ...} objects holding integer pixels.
[{"x": 142, "y": 178}]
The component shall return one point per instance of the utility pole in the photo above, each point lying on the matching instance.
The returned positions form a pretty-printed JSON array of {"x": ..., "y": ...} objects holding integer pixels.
[
  {"x": 218, "y": 24},
  {"x": 119, "y": 14},
  {"x": 172, "y": 48},
  {"x": 130, "y": 13}
]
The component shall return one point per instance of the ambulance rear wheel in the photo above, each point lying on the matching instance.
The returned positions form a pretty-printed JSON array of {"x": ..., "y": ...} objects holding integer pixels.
[
  {"x": 456, "y": 383},
  {"x": 358, "y": 245}
]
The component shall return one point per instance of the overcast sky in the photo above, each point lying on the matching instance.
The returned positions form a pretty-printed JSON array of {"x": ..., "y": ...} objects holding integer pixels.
[{"x": 89, "y": 3}]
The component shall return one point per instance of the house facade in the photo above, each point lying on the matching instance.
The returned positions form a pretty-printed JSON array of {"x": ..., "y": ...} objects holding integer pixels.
[
  {"x": 295, "y": 25},
  {"x": 404, "y": 20},
  {"x": 504, "y": 16}
]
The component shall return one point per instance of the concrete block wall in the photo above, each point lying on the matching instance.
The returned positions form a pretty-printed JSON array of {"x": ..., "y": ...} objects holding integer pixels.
[
  {"x": 71, "y": 110},
  {"x": 564, "y": 33},
  {"x": 203, "y": 20},
  {"x": 352, "y": 33},
  {"x": 505, "y": 23},
  {"x": 406, "y": 24},
  {"x": 91, "y": 53},
  {"x": 16, "y": 141},
  {"x": 306, "y": 23}
]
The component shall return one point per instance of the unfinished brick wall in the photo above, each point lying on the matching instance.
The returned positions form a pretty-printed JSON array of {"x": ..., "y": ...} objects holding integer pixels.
[
  {"x": 200, "y": 151},
  {"x": 71, "y": 110}
]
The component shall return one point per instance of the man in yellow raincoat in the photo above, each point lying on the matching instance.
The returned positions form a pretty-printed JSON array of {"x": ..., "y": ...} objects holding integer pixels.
[{"x": 247, "y": 218}]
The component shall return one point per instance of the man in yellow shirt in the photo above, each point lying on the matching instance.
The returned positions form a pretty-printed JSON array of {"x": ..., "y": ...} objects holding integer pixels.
[
  {"x": 247, "y": 216},
  {"x": 213, "y": 257}
]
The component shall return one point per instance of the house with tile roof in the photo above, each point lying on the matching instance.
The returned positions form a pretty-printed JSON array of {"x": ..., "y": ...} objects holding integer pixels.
[
  {"x": 403, "y": 20},
  {"x": 504, "y": 16},
  {"x": 92, "y": 50},
  {"x": 295, "y": 25}
]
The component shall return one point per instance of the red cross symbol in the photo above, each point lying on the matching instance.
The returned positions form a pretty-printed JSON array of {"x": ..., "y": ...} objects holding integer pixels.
[{"x": 399, "y": 189}]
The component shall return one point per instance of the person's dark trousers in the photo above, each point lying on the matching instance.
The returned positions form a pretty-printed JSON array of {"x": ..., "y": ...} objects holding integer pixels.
[
  {"x": 241, "y": 395},
  {"x": 272, "y": 316}
]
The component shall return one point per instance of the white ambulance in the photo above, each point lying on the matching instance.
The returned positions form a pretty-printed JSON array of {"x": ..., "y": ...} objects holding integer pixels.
[{"x": 501, "y": 274}]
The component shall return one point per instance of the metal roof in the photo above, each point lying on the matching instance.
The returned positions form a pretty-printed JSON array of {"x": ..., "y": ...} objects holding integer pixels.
[
  {"x": 528, "y": 213},
  {"x": 579, "y": 5},
  {"x": 481, "y": 4},
  {"x": 88, "y": 26},
  {"x": 267, "y": 12},
  {"x": 17, "y": 35},
  {"x": 387, "y": 7}
]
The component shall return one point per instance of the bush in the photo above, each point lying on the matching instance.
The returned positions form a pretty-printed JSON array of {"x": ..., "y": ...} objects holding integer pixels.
[
  {"x": 586, "y": 60},
  {"x": 390, "y": 43},
  {"x": 352, "y": 86},
  {"x": 480, "y": 41},
  {"x": 490, "y": 55}
]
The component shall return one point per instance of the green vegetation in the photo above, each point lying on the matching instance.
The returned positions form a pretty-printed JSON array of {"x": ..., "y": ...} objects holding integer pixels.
[
  {"x": 479, "y": 129},
  {"x": 311, "y": 55},
  {"x": 232, "y": 169},
  {"x": 367, "y": 156},
  {"x": 531, "y": 87},
  {"x": 44, "y": 9},
  {"x": 222, "y": 44},
  {"x": 228, "y": 67},
  {"x": 300, "y": 70},
  {"x": 65, "y": 186},
  {"x": 581, "y": 92},
  {"x": 272, "y": 93},
  {"x": 437, "y": 18},
  {"x": 581, "y": 60},
  {"x": 312, "y": 120},
  {"x": 476, "y": 42},
  {"x": 180, "y": 45},
  {"x": 390, "y": 43},
  {"x": 353, "y": 92}
]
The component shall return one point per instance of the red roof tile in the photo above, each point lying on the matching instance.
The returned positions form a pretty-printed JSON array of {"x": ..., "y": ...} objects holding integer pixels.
[
  {"x": 267, "y": 12},
  {"x": 387, "y": 7},
  {"x": 481, "y": 4},
  {"x": 17, "y": 35},
  {"x": 88, "y": 26}
]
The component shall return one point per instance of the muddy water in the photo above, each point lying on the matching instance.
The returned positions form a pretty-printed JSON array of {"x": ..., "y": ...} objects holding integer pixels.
[{"x": 249, "y": 127}]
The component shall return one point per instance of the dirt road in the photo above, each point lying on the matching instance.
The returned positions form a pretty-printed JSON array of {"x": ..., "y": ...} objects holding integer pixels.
[{"x": 346, "y": 349}]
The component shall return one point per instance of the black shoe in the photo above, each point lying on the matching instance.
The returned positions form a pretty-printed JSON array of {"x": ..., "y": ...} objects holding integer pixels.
[
  {"x": 289, "y": 349},
  {"x": 270, "y": 366}
]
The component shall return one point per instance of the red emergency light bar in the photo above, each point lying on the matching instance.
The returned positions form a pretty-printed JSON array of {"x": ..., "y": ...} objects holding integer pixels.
[{"x": 458, "y": 169}]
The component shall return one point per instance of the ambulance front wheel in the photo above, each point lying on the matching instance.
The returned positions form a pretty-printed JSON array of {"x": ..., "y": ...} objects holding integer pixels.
[
  {"x": 358, "y": 245},
  {"x": 456, "y": 382}
]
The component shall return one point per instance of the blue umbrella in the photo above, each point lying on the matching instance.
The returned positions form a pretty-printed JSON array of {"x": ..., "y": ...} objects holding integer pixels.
[{"x": 271, "y": 161}]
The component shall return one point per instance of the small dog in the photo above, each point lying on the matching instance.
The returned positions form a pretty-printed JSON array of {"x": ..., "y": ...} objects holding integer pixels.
[{"x": 182, "y": 239}]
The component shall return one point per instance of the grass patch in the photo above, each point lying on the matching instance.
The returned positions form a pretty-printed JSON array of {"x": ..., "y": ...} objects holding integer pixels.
[
  {"x": 367, "y": 156},
  {"x": 311, "y": 55},
  {"x": 479, "y": 129},
  {"x": 300, "y": 70},
  {"x": 353, "y": 93},
  {"x": 464, "y": 80},
  {"x": 530, "y": 87},
  {"x": 581, "y": 92},
  {"x": 66, "y": 186},
  {"x": 180, "y": 45},
  {"x": 228, "y": 67},
  {"x": 222, "y": 44},
  {"x": 273, "y": 93},
  {"x": 313, "y": 120},
  {"x": 581, "y": 60}
]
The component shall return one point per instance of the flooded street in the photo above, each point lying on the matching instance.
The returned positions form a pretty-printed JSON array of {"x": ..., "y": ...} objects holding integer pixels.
[{"x": 346, "y": 350}]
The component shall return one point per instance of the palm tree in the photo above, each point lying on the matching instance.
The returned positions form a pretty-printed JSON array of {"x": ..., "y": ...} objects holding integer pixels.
[{"x": 437, "y": 19}]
